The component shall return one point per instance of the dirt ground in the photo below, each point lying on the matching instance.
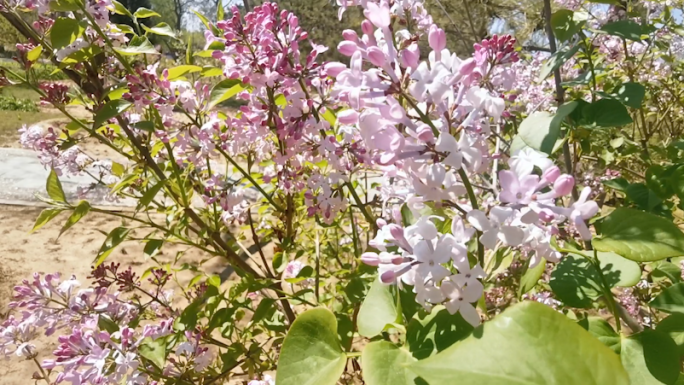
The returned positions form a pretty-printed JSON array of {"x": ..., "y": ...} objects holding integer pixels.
[{"x": 22, "y": 253}]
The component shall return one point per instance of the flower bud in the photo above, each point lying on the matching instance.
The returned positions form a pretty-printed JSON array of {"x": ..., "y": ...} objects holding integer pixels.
[
  {"x": 334, "y": 68},
  {"x": 350, "y": 35},
  {"x": 410, "y": 56},
  {"x": 380, "y": 223},
  {"x": 376, "y": 56},
  {"x": 546, "y": 215},
  {"x": 367, "y": 27},
  {"x": 425, "y": 133},
  {"x": 563, "y": 185},
  {"x": 347, "y": 48},
  {"x": 467, "y": 67},
  {"x": 388, "y": 277},
  {"x": 437, "y": 38},
  {"x": 370, "y": 259},
  {"x": 551, "y": 174}
]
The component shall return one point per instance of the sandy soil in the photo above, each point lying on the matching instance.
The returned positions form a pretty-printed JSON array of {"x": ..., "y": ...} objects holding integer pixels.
[{"x": 22, "y": 253}]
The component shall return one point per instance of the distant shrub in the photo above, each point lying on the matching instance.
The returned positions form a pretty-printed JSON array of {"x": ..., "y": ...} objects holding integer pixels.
[{"x": 11, "y": 103}]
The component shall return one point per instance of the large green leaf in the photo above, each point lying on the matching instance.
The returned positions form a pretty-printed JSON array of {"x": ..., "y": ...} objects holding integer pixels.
[
  {"x": 143, "y": 13},
  {"x": 670, "y": 300},
  {"x": 650, "y": 358},
  {"x": 155, "y": 351},
  {"x": 541, "y": 130},
  {"x": 626, "y": 29},
  {"x": 631, "y": 94},
  {"x": 576, "y": 282},
  {"x": 176, "y": 72},
  {"x": 384, "y": 363},
  {"x": 527, "y": 344},
  {"x": 377, "y": 311},
  {"x": 162, "y": 29},
  {"x": 111, "y": 110},
  {"x": 566, "y": 23},
  {"x": 138, "y": 46},
  {"x": 606, "y": 113},
  {"x": 311, "y": 353},
  {"x": 114, "y": 239},
  {"x": 601, "y": 329},
  {"x": 557, "y": 60},
  {"x": 224, "y": 90},
  {"x": 54, "y": 188},
  {"x": 65, "y": 31},
  {"x": 429, "y": 334},
  {"x": 639, "y": 236},
  {"x": 673, "y": 326}
]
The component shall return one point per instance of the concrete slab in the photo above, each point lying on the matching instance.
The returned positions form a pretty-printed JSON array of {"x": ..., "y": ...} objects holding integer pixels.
[{"x": 22, "y": 177}]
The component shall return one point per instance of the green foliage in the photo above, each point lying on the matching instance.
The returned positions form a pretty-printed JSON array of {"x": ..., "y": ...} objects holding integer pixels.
[
  {"x": 378, "y": 310},
  {"x": 311, "y": 353},
  {"x": 11, "y": 103},
  {"x": 639, "y": 236},
  {"x": 384, "y": 363},
  {"x": 514, "y": 345}
]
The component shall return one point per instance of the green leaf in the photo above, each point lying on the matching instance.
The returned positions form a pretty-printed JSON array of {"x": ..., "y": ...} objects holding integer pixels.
[
  {"x": 80, "y": 211},
  {"x": 618, "y": 184},
  {"x": 330, "y": 117},
  {"x": 673, "y": 325},
  {"x": 110, "y": 110},
  {"x": 149, "y": 195},
  {"x": 64, "y": 32},
  {"x": 565, "y": 24},
  {"x": 429, "y": 334},
  {"x": 45, "y": 216},
  {"x": 541, "y": 129},
  {"x": 650, "y": 358},
  {"x": 138, "y": 46},
  {"x": 642, "y": 196},
  {"x": 670, "y": 300},
  {"x": 639, "y": 236},
  {"x": 162, "y": 29},
  {"x": 601, "y": 329},
  {"x": 209, "y": 71},
  {"x": 557, "y": 60},
  {"x": 219, "y": 10},
  {"x": 664, "y": 269},
  {"x": 121, "y": 9},
  {"x": 576, "y": 282},
  {"x": 631, "y": 94},
  {"x": 531, "y": 277},
  {"x": 152, "y": 247},
  {"x": 155, "y": 351},
  {"x": 34, "y": 54},
  {"x": 207, "y": 24},
  {"x": 606, "y": 113},
  {"x": 114, "y": 239},
  {"x": 377, "y": 310},
  {"x": 626, "y": 29},
  {"x": 224, "y": 90},
  {"x": 311, "y": 353},
  {"x": 64, "y": 5},
  {"x": 384, "y": 363},
  {"x": 527, "y": 344},
  {"x": 54, "y": 188},
  {"x": 143, "y": 13},
  {"x": 176, "y": 72}
]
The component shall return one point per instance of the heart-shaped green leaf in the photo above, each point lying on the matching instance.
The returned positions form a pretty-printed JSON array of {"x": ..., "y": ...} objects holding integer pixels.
[
  {"x": 311, "y": 353},
  {"x": 384, "y": 363},
  {"x": 377, "y": 310},
  {"x": 639, "y": 236},
  {"x": 528, "y": 344}
]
